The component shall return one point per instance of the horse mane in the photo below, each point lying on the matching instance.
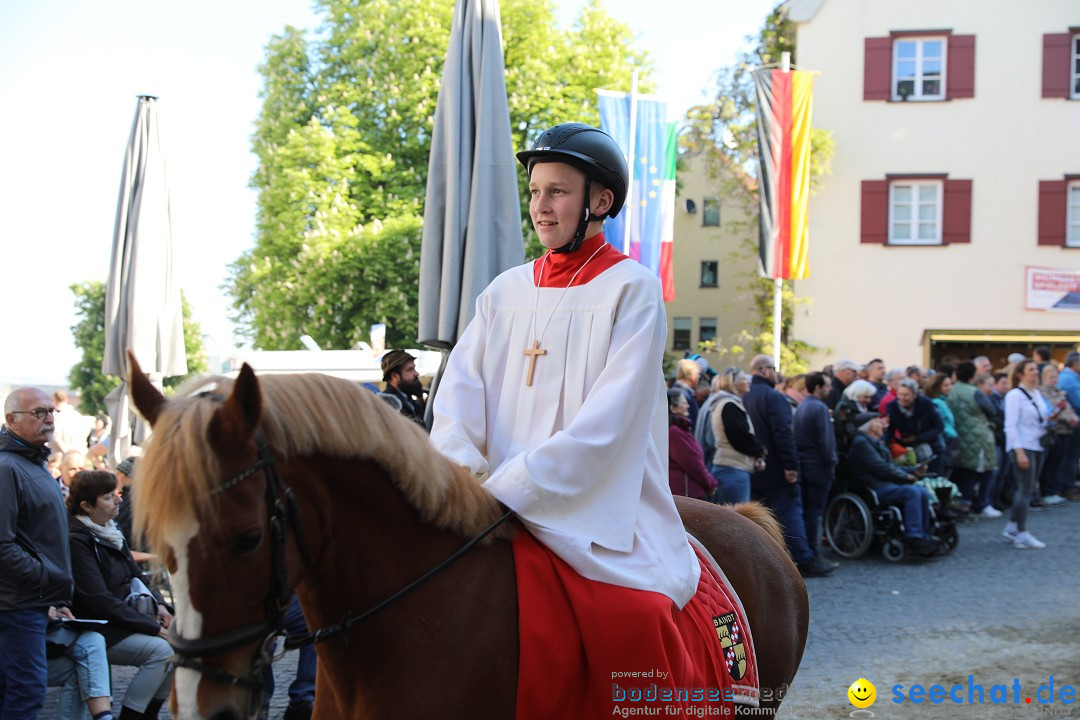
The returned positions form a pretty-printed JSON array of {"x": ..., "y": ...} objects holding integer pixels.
[{"x": 302, "y": 414}]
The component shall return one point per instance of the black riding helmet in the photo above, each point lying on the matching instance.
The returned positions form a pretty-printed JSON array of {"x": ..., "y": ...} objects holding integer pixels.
[{"x": 593, "y": 152}]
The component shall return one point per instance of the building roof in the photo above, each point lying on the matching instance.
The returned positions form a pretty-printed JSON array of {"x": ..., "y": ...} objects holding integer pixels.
[{"x": 801, "y": 10}]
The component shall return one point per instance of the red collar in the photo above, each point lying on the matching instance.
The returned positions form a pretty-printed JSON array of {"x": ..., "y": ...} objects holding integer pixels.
[{"x": 559, "y": 268}]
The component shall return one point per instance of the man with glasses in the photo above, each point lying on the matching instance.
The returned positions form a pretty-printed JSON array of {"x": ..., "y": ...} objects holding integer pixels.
[
  {"x": 35, "y": 563},
  {"x": 777, "y": 486}
]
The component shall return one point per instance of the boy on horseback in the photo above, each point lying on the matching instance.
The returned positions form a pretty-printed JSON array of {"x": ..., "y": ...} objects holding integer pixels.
[{"x": 554, "y": 394}]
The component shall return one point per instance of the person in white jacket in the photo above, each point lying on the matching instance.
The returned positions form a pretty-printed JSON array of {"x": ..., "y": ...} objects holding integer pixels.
[{"x": 554, "y": 395}]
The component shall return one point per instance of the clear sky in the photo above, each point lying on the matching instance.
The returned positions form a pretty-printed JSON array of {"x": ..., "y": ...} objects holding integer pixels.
[{"x": 69, "y": 75}]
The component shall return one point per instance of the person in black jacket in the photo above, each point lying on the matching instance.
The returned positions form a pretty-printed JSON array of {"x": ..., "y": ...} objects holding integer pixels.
[
  {"x": 777, "y": 486},
  {"x": 108, "y": 583},
  {"x": 35, "y": 568},
  {"x": 403, "y": 382},
  {"x": 870, "y": 462},
  {"x": 815, "y": 442}
]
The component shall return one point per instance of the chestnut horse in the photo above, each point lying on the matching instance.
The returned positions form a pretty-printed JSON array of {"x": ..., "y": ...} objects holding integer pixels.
[{"x": 254, "y": 488}]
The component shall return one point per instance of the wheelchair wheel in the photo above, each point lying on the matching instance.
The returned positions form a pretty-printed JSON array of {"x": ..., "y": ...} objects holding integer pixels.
[
  {"x": 949, "y": 537},
  {"x": 893, "y": 550},
  {"x": 848, "y": 525}
]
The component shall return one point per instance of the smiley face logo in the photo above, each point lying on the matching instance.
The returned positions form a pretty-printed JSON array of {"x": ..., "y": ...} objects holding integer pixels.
[{"x": 862, "y": 693}]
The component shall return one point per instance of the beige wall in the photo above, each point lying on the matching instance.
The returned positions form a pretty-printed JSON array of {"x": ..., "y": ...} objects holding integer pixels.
[
  {"x": 873, "y": 300},
  {"x": 725, "y": 244}
]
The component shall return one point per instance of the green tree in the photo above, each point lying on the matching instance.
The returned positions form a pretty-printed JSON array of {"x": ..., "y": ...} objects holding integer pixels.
[
  {"x": 343, "y": 140},
  {"x": 89, "y": 335},
  {"x": 726, "y": 132}
]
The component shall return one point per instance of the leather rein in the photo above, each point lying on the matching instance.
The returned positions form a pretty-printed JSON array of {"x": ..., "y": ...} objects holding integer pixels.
[{"x": 283, "y": 513}]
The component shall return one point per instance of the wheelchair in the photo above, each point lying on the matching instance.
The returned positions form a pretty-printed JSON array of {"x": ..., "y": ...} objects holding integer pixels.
[{"x": 856, "y": 521}]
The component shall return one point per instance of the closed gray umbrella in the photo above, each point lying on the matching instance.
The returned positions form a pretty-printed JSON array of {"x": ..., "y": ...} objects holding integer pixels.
[
  {"x": 472, "y": 219},
  {"x": 142, "y": 299}
]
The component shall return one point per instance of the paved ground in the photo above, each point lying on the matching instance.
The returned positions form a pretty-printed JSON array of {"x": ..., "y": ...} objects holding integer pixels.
[{"x": 987, "y": 610}]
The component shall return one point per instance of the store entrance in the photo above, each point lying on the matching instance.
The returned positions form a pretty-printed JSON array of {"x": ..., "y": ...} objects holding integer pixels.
[{"x": 953, "y": 347}]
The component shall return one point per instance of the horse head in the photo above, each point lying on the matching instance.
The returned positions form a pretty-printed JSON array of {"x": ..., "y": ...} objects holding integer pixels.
[
  {"x": 227, "y": 528},
  {"x": 378, "y": 510}
]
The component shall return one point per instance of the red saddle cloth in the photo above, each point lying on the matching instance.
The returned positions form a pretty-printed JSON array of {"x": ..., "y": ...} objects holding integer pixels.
[{"x": 594, "y": 650}]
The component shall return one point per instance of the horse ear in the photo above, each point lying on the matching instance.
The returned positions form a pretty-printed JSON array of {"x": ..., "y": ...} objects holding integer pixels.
[
  {"x": 235, "y": 422},
  {"x": 148, "y": 399}
]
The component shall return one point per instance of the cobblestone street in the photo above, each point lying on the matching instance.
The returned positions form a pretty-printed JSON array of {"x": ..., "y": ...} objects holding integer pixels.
[{"x": 987, "y": 610}]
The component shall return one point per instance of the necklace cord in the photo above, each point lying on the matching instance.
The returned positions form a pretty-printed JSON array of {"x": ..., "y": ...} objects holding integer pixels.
[{"x": 536, "y": 299}]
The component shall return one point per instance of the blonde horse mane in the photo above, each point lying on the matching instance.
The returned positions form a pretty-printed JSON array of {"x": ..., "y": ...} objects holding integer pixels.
[{"x": 303, "y": 414}]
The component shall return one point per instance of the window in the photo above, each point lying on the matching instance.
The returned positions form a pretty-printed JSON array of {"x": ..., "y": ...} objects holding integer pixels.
[
  {"x": 710, "y": 215},
  {"x": 919, "y": 69},
  {"x": 682, "y": 334},
  {"x": 708, "y": 329},
  {"x": 934, "y": 209},
  {"x": 708, "y": 273},
  {"x": 915, "y": 212},
  {"x": 1073, "y": 238},
  {"x": 1075, "y": 67},
  {"x": 923, "y": 65}
]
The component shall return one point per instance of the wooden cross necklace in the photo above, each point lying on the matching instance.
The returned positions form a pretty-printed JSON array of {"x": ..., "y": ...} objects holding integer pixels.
[{"x": 534, "y": 352}]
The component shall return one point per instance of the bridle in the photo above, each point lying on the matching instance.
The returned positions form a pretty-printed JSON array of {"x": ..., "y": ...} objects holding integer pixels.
[{"x": 283, "y": 513}]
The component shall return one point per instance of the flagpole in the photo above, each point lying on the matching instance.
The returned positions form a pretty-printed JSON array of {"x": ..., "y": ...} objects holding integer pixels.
[
  {"x": 778, "y": 283},
  {"x": 630, "y": 164}
]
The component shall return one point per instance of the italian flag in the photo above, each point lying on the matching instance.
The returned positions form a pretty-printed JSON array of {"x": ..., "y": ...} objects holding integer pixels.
[{"x": 667, "y": 221}]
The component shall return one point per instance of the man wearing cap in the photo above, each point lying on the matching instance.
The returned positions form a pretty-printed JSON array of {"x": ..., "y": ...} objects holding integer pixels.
[
  {"x": 403, "y": 382},
  {"x": 844, "y": 373},
  {"x": 554, "y": 395},
  {"x": 35, "y": 562}
]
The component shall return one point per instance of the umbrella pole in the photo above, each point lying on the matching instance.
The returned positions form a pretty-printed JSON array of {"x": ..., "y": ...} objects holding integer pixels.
[{"x": 429, "y": 405}]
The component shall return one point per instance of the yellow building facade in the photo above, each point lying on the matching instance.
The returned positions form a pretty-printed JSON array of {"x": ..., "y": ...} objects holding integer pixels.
[
  {"x": 715, "y": 260},
  {"x": 950, "y": 224}
]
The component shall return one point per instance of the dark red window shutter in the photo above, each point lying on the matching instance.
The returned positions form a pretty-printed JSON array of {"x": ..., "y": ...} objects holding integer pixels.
[
  {"x": 960, "y": 82},
  {"x": 877, "y": 69},
  {"x": 875, "y": 212},
  {"x": 1055, "y": 79},
  {"x": 1052, "y": 209},
  {"x": 956, "y": 215}
]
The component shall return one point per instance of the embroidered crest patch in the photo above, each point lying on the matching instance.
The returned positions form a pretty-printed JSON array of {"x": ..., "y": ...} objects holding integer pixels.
[{"x": 730, "y": 634}]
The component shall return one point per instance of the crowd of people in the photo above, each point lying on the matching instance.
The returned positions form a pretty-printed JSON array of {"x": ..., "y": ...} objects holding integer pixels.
[
  {"x": 1006, "y": 440},
  {"x": 75, "y": 598}
]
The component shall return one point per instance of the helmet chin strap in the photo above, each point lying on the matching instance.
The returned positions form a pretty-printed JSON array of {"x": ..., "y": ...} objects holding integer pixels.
[{"x": 583, "y": 224}]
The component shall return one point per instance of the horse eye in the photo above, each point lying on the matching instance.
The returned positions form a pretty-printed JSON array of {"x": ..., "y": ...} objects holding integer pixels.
[{"x": 246, "y": 543}]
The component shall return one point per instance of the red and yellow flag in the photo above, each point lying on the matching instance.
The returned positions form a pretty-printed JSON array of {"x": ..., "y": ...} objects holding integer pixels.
[{"x": 785, "y": 102}]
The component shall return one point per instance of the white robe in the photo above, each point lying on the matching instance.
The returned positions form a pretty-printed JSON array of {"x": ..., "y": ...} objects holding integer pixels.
[{"x": 581, "y": 455}]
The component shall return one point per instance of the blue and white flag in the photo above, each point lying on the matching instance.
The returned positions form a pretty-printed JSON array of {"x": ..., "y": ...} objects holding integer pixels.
[{"x": 650, "y": 207}]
